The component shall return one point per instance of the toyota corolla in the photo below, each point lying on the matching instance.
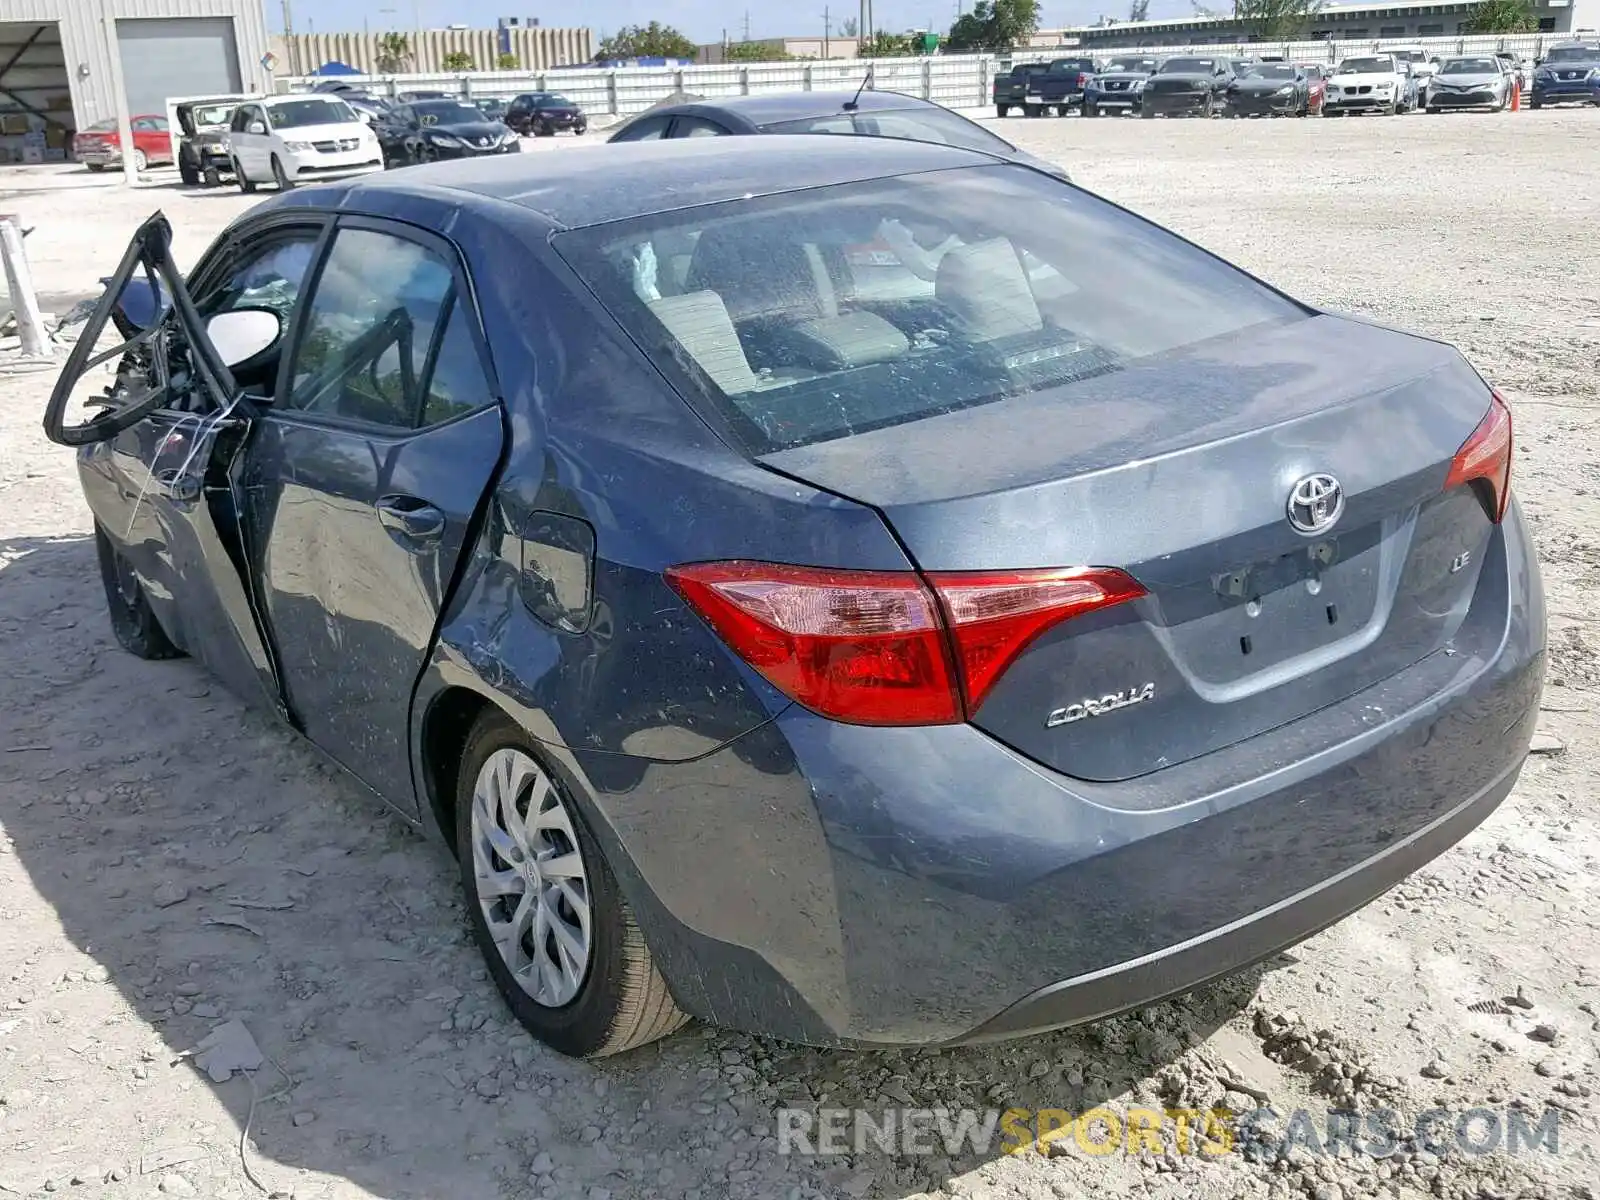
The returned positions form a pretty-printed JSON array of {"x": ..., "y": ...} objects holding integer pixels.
[{"x": 848, "y": 589}]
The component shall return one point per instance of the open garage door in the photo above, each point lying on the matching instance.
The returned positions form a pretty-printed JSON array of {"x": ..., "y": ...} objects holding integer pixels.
[
  {"x": 176, "y": 56},
  {"x": 35, "y": 93}
]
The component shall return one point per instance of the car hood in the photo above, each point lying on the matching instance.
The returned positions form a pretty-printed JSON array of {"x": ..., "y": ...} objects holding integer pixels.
[
  {"x": 470, "y": 129},
  {"x": 1475, "y": 80},
  {"x": 321, "y": 133}
]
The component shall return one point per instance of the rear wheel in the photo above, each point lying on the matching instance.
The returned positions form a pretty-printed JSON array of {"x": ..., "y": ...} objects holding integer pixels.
[
  {"x": 280, "y": 176},
  {"x": 141, "y": 160},
  {"x": 1091, "y": 110},
  {"x": 559, "y": 939},
  {"x": 1002, "y": 110},
  {"x": 133, "y": 622}
]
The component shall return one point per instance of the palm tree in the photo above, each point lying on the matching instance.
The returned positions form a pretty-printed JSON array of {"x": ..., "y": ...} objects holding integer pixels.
[{"x": 394, "y": 52}]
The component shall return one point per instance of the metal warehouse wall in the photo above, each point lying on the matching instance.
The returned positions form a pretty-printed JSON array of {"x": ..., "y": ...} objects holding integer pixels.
[
  {"x": 536, "y": 48},
  {"x": 83, "y": 41}
]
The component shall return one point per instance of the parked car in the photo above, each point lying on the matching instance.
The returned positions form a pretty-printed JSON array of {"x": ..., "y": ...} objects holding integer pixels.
[
  {"x": 1568, "y": 73},
  {"x": 425, "y": 94},
  {"x": 1373, "y": 83},
  {"x": 201, "y": 124},
  {"x": 1118, "y": 85},
  {"x": 1059, "y": 87},
  {"x": 739, "y": 686},
  {"x": 866, "y": 113},
  {"x": 1470, "y": 81},
  {"x": 1419, "y": 64},
  {"x": 1010, "y": 89},
  {"x": 492, "y": 107},
  {"x": 435, "y": 129},
  {"x": 100, "y": 145},
  {"x": 1316, "y": 85},
  {"x": 545, "y": 114},
  {"x": 1269, "y": 90},
  {"x": 1187, "y": 86},
  {"x": 1517, "y": 67},
  {"x": 285, "y": 140},
  {"x": 1240, "y": 65}
]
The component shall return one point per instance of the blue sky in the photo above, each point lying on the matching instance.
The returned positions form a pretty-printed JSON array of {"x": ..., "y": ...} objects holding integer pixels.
[{"x": 702, "y": 20}]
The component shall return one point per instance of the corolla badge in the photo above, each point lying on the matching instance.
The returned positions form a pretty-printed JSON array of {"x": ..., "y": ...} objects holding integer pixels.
[{"x": 1099, "y": 707}]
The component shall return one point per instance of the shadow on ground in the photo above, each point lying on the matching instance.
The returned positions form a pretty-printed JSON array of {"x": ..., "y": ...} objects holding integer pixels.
[{"x": 208, "y": 864}]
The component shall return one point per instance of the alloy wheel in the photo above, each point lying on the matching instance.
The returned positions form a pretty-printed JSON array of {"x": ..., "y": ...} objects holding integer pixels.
[{"x": 532, "y": 887}]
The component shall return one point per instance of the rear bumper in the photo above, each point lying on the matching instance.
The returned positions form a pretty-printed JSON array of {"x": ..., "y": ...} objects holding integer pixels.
[{"x": 842, "y": 885}]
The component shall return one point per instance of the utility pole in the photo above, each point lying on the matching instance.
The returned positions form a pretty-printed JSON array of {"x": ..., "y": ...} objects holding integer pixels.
[
  {"x": 288, "y": 18},
  {"x": 747, "y": 24},
  {"x": 827, "y": 28},
  {"x": 119, "y": 93}
]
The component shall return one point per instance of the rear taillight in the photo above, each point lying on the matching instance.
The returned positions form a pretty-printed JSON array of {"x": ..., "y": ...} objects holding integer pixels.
[
  {"x": 1485, "y": 459},
  {"x": 887, "y": 647},
  {"x": 1083, "y": 81}
]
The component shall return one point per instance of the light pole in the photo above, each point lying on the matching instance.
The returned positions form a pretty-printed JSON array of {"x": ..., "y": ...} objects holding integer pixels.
[{"x": 119, "y": 94}]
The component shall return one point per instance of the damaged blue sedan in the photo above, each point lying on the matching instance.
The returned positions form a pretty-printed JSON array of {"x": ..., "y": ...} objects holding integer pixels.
[{"x": 853, "y": 590}]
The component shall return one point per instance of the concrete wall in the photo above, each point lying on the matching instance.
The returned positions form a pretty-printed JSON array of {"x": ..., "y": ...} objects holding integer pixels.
[
  {"x": 83, "y": 40},
  {"x": 536, "y": 49}
]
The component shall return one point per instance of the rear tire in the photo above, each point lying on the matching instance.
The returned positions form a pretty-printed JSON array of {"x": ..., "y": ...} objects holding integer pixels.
[
  {"x": 1091, "y": 110},
  {"x": 621, "y": 1001},
  {"x": 141, "y": 160},
  {"x": 133, "y": 621},
  {"x": 1002, "y": 111}
]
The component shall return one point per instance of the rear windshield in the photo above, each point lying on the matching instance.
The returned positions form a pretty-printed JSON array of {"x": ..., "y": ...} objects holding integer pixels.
[
  {"x": 1574, "y": 54},
  {"x": 1072, "y": 66},
  {"x": 932, "y": 124},
  {"x": 818, "y": 314}
]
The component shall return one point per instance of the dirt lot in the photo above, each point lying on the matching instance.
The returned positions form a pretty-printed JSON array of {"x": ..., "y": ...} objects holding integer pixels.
[{"x": 168, "y": 860}]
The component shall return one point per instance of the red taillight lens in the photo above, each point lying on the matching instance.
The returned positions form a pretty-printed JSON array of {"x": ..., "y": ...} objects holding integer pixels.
[
  {"x": 874, "y": 647},
  {"x": 866, "y": 647},
  {"x": 1083, "y": 81},
  {"x": 1485, "y": 458},
  {"x": 993, "y": 617}
]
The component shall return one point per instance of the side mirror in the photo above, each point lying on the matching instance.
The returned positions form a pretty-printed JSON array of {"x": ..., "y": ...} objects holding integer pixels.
[
  {"x": 243, "y": 333},
  {"x": 256, "y": 127}
]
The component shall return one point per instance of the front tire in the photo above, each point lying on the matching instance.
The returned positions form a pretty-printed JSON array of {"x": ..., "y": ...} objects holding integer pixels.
[
  {"x": 246, "y": 184},
  {"x": 133, "y": 621},
  {"x": 559, "y": 938},
  {"x": 95, "y": 167},
  {"x": 281, "y": 177},
  {"x": 188, "y": 173}
]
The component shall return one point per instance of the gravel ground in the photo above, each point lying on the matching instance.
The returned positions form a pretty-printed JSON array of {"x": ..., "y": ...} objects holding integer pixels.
[{"x": 169, "y": 861}]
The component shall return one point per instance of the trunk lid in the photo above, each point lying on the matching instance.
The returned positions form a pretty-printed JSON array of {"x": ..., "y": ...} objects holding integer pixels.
[{"x": 1179, "y": 470}]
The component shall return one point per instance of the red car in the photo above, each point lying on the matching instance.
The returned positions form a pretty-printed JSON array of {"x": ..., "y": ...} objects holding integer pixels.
[
  {"x": 99, "y": 146},
  {"x": 1316, "y": 86}
]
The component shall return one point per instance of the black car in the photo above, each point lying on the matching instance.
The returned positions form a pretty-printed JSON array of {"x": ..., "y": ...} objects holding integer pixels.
[
  {"x": 545, "y": 114},
  {"x": 1187, "y": 87},
  {"x": 862, "y": 113},
  {"x": 1270, "y": 90},
  {"x": 491, "y": 107},
  {"x": 430, "y": 130}
]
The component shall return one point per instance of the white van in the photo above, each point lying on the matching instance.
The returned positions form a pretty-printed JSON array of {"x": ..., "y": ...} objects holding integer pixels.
[{"x": 293, "y": 139}]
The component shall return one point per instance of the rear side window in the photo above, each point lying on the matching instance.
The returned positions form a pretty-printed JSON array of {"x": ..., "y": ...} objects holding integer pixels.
[
  {"x": 817, "y": 314},
  {"x": 369, "y": 326}
]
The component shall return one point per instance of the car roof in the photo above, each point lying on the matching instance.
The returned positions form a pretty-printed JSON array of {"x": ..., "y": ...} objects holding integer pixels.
[
  {"x": 792, "y": 106},
  {"x": 614, "y": 182}
]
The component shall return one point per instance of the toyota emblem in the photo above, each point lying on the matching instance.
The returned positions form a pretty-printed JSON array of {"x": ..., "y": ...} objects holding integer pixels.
[{"x": 1315, "y": 503}]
